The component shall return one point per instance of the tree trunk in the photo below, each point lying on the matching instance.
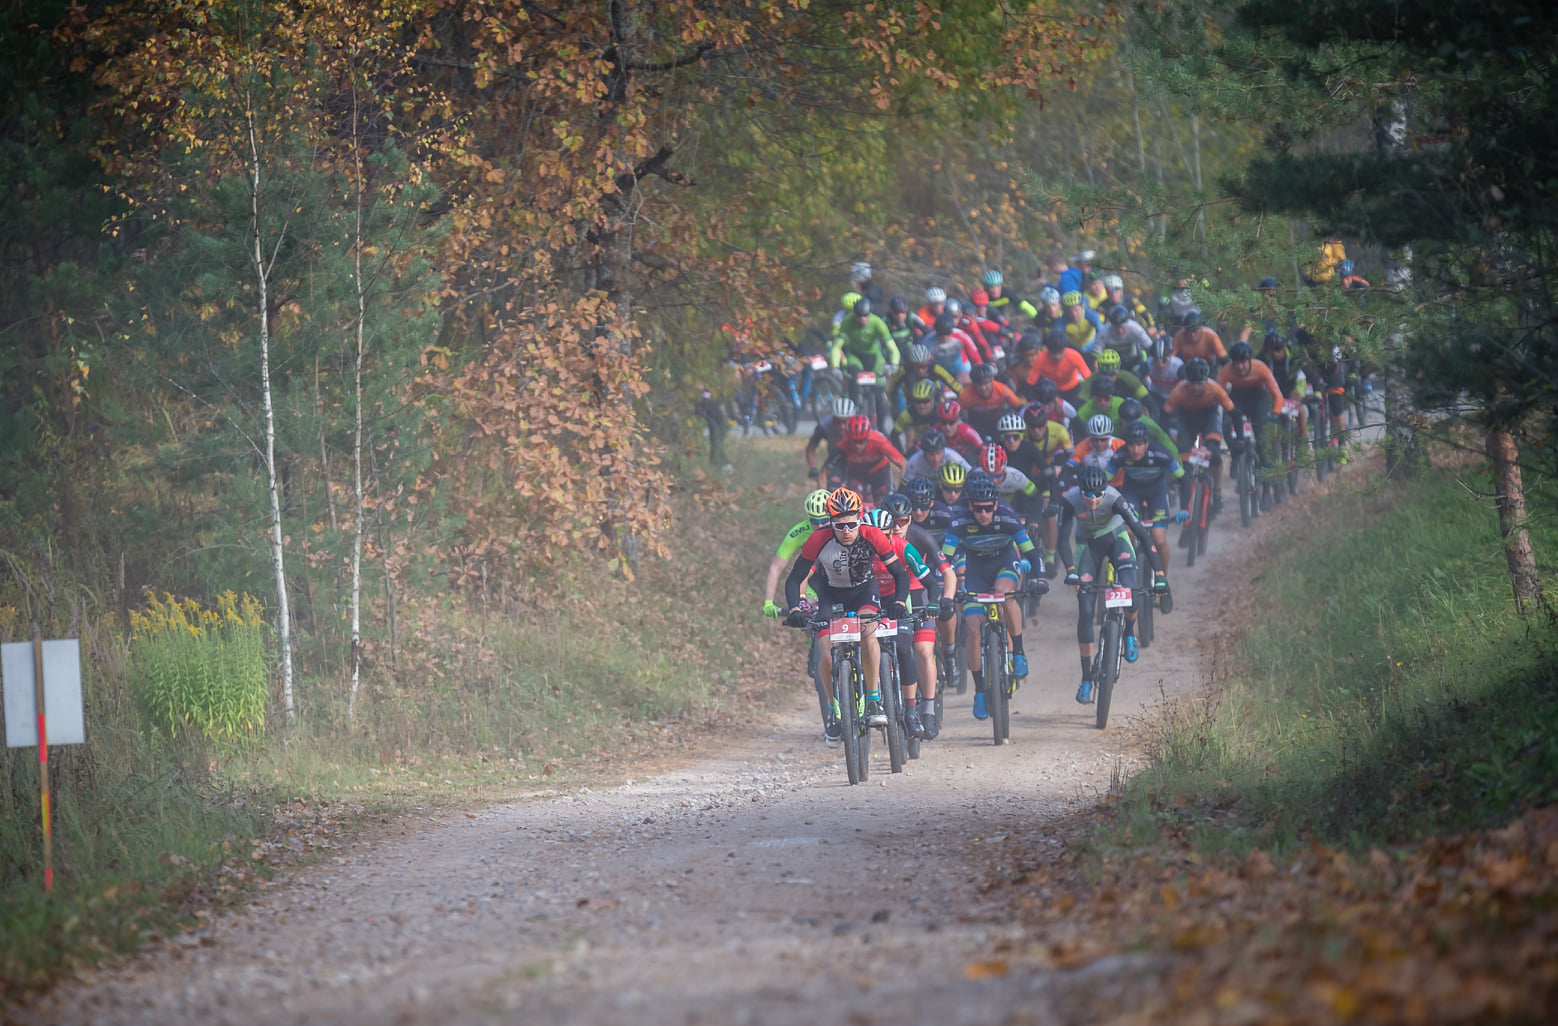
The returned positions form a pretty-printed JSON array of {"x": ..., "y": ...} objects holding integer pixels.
[
  {"x": 277, "y": 538},
  {"x": 357, "y": 490},
  {"x": 1511, "y": 498},
  {"x": 1141, "y": 144},
  {"x": 1403, "y": 452}
]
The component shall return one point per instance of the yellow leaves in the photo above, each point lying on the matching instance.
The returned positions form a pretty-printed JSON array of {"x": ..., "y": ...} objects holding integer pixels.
[{"x": 986, "y": 970}]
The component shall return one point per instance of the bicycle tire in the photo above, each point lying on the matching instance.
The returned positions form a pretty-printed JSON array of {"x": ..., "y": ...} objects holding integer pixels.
[
  {"x": 1204, "y": 517},
  {"x": 844, "y": 674},
  {"x": 892, "y": 705},
  {"x": 1108, "y": 669},
  {"x": 1244, "y": 484},
  {"x": 1005, "y": 688},
  {"x": 1292, "y": 464},
  {"x": 1190, "y": 533},
  {"x": 960, "y": 657},
  {"x": 1144, "y": 629},
  {"x": 994, "y": 679}
]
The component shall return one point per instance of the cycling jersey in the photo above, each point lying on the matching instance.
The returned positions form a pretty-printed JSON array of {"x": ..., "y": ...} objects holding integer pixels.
[
  {"x": 845, "y": 568},
  {"x": 1290, "y": 376},
  {"x": 1130, "y": 340},
  {"x": 1161, "y": 378},
  {"x": 1015, "y": 487},
  {"x": 937, "y": 520},
  {"x": 919, "y": 465},
  {"x": 1126, "y": 385},
  {"x": 1067, "y": 371},
  {"x": 1084, "y": 455},
  {"x": 955, "y": 352},
  {"x": 793, "y": 539},
  {"x": 1245, "y": 390},
  {"x": 911, "y": 427},
  {"x": 1090, "y": 409},
  {"x": 867, "y": 346},
  {"x": 1143, "y": 477},
  {"x": 906, "y": 378},
  {"x": 963, "y": 440},
  {"x": 1203, "y": 342},
  {"x": 1085, "y": 334},
  {"x": 1060, "y": 412},
  {"x": 997, "y": 402},
  {"x": 917, "y": 570},
  {"x": 1183, "y": 397},
  {"x": 990, "y": 542},
  {"x": 1113, "y": 513}
]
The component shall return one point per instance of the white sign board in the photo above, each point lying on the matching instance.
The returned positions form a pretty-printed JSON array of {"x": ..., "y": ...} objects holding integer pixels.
[{"x": 61, "y": 693}]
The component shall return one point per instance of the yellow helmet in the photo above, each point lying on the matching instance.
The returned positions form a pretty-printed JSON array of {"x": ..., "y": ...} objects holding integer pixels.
[
  {"x": 1072, "y": 298},
  {"x": 953, "y": 475},
  {"x": 1109, "y": 360},
  {"x": 847, "y": 303},
  {"x": 817, "y": 504},
  {"x": 922, "y": 390}
]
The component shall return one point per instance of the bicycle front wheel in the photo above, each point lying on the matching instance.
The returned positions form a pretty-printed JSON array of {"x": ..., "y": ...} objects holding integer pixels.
[
  {"x": 1144, "y": 620},
  {"x": 1108, "y": 668},
  {"x": 993, "y": 659},
  {"x": 846, "y": 673},
  {"x": 892, "y": 705},
  {"x": 1249, "y": 491}
]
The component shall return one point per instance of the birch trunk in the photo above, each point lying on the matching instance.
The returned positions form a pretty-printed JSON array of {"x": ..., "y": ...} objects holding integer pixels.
[
  {"x": 357, "y": 490},
  {"x": 1403, "y": 452},
  {"x": 1511, "y": 498}
]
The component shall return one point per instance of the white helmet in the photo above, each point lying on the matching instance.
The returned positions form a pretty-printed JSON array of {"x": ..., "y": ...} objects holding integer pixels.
[
  {"x": 861, "y": 271},
  {"x": 1084, "y": 256},
  {"x": 1010, "y": 424},
  {"x": 1099, "y": 426},
  {"x": 843, "y": 409},
  {"x": 935, "y": 295},
  {"x": 1049, "y": 294},
  {"x": 1113, "y": 281}
]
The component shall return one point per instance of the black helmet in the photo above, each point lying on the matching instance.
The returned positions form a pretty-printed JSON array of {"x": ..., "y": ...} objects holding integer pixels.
[
  {"x": 897, "y": 304},
  {"x": 981, "y": 488},
  {"x": 1028, "y": 342},
  {"x": 1162, "y": 349},
  {"x": 1103, "y": 387},
  {"x": 1268, "y": 282},
  {"x": 862, "y": 307},
  {"x": 1092, "y": 479},
  {"x": 1273, "y": 340},
  {"x": 976, "y": 475},
  {"x": 1046, "y": 391},
  {"x": 922, "y": 490},
  {"x": 933, "y": 441},
  {"x": 1191, "y": 319},
  {"x": 1131, "y": 410},
  {"x": 1135, "y": 432},
  {"x": 1118, "y": 315},
  {"x": 1240, "y": 351},
  {"x": 982, "y": 373},
  {"x": 1055, "y": 338},
  {"x": 944, "y": 323},
  {"x": 898, "y": 505},
  {"x": 1197, "y": 369},
  {"x": 1034, "y": 414}
]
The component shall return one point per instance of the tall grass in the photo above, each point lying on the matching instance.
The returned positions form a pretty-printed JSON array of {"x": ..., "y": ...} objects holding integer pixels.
[{"x": 1384, "y": 686}]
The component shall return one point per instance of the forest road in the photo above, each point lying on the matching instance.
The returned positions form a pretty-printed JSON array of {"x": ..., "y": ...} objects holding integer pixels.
[{"x": 753, "y": 885}]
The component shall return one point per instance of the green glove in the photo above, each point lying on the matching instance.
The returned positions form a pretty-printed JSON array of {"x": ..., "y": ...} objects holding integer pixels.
[{"x": 771, "y": 608}]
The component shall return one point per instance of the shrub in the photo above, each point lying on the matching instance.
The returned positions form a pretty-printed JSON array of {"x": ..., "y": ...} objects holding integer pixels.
[{"x": 201, "y": 669}]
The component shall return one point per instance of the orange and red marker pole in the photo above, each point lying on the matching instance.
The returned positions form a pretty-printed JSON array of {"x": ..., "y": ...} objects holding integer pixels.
[{"x": 43, "y": 759}]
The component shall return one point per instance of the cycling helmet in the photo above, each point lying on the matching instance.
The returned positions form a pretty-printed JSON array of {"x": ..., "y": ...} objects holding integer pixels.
[
  {"x": 848, "y": 300},
  {"x": 953, "y": 475},
  {"x": 861, "y": 271},
  {"x": 843, "y": 501},
  {"x": 1034, "y": 414},
  {"x": 1118, "y": 315},
  {"x": 1191, "y": 318},
  {"x": 1273, "y": 340},
  {"x": 932, "y": 441},
  {"x": 1268, "y": 282},
  {"x": 922, "y": 390},
  {"x": 878, "y": 518},
  {"x": 897, "y": 304},
  {"x": 935, "y": 295},
  {"x": 1055, "y": 339},
  {"x": 1135, "y": 433},
  {"x": 945, "y": 323},
  {"x": 1131, "y": 410},
  {"x": 817, "y": 504},
  {"x": 1240, "y": 351},
  {"x": 1092, "y": 479},
  {"x": 1113, "y": 281},
  {"x": 982, "y": 373},
  {"x": 897, "y": 506},
  {"x": 918, "y": 354},
  {"x": 1109, "y": 360},
  {"x": 862, "y": 307},
  {"x": 1197, "y": 369},
  {"x": 1046, "y": 391},
  {"x": 982, "y": 489},
  {"x": 1345, "y": 267},
  {"x": 843, "y": 409},
  {"x": 857, "y": 428},
  {"x": 992, "y": 459},
  {"x": 1084, "y": 256},
  {"x": 922, "y": 491},
  {"x": 954, "y": 307},
  {"x": 991, "y": 278},
  {"x": 1099, "y": 425},
  {"x": 1072, "y": 298},
  {"x": 1049, "y": 294},
  {"x": 949, "y": 411},
  {"x": 1009, "y": 424},
  {"x": 1103, "y": 387},
  {"x": 1162, "y": 349},
  {"x": 1027, "y": 342},
  {"x": 979, "y": 297}
]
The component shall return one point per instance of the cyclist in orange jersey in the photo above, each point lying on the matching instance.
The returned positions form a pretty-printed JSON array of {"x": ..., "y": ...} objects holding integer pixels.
[
  {"x": 986, "y": 399},
  {"x": 1061, "y": 364},
  {"x": 1196, "y": 407},
  {"x": 1196, "y": 339}
]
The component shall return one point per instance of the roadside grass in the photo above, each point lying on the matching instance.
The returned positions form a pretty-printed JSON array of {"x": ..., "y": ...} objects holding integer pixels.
[
  {"x": 588, "y": 683},
  {"x": 1383, "y": 687}
]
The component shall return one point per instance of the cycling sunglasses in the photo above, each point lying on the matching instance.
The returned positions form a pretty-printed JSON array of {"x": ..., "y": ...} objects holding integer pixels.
[
  {"x": 983, "y": 508},
  {"x": 924, "y": 506},
  {"x": 1013, "y": 434},
  {"x": 852, "y": 525},
  {"x": 1092, "y": 495}
]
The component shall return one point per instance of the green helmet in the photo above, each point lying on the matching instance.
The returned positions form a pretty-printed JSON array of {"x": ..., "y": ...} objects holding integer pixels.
[
  {"x": 817, "y": 504},
  {"x": 849, "y": 301},
  {"x": 1109, "y": 359},
  {"x": 922, "y": 390}
]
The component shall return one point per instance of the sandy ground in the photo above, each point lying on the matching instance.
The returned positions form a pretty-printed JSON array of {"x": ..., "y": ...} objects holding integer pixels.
[{"x": 750, "y": 886}]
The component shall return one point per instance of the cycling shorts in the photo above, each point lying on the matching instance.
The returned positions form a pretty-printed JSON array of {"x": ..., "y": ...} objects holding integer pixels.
[
  {"x": 908, "y": 666},
  {"x": 1336, "y": 402},
  {"x": 980, "y": 575},
  {"x": 1207, "y": 423},
  {"x": 1151, "y": 502},
  {"x": 1114, "y": 547},
  {"x": 862, "y": 599}
]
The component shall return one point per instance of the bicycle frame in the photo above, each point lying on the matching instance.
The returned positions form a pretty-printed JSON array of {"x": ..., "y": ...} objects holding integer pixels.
[{"x": 993, "y": 654}]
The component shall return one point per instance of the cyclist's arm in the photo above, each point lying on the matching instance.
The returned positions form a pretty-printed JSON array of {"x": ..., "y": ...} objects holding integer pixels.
[
  {"x": 1133, "y": 389},
  {"x": 792, "y": 583},
  {"x": 1067, "y": 517},
  {"x": 945, "y": 376},
  {"x": 1157, "y": 434},
  {"x": 885, "y": 342},
  {"x": 1270, "y": 381},
  {"x": 1127, "y": 512}
]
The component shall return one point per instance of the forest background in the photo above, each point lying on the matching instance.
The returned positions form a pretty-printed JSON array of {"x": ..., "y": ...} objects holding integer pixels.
[{"x": 393, "y": 315}]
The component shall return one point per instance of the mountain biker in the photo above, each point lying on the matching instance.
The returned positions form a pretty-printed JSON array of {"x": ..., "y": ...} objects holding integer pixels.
[
  {"x": 964, "y": 440},
  {"x": 1021, "y": 364},
  {"x": 1126, "y": 337},
  {"x": 1074, "y": 277},
  {"x": 1196, "y": 407},
  {"x": 1164, "y": 371},
  {"x": 846, "y": 552},
  {"x": 1097, "y": 447},
  {"x": 1103, "y": 401},
  {"x": 1137, "y": 310},
  {"x": 1061, "y": 364},
  {"x": 903, "y": 335},
  {"x": 1047, "y": 397},
  {"x": 830, "y": 429},
  {"x": 1042, "y": 450},
  {"x": 1349, "y": 279},
  {"x": 1127, "y": 385},
  {"x": 909, "y": 674},
  {"x": 935, "y": 306},
  {"x": 940, "y": 586},
  {"x": 987, "y": 542},
  {"x": 986, "y": 399},
  {"x": 952, "y": 349},
  {"x": 923, "y": 397},
  {"x": 1255, "y": 394},
  {"x": 931, "y": 518},
  {"x": 1106, "y": 520},
  {"x": 1195, "y": 339},
  {"x": 931, "y": 456},
  {"x": 964, "y": 323},
  {"x": 869, "y": 457},
  {"x": 1289, "y": 374},
  {"x": 846, "y": 309},
  {"x": 918, "y": 365},
  {"x": 1083, "y": 327},
  {"x": 860, "y": 281},
  {"x": 978, "y": 311},
  {"x": 816, "y": 507},
  {"x": 1050, "y": 313},
  {"x": 1004, "y": 306},
  {"x": 863, "y": 344},
  {"x": 1131, "y": 412},
  {"x": 1013, "y": 486},
  {"x": 1141, "y": 470}
]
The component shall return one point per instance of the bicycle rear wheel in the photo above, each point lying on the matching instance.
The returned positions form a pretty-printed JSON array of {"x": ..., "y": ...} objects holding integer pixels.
[
  {"x": 1108, "y": 669},
  {"x": 1144, "y": 620},
  {"x": 1244, "y": 484},
  {"x": 1189, "y": 535},
  {"x": 960, "y": 657},
  {"x": 845, "y": 674},
  {"x": 892, "y": 705}
]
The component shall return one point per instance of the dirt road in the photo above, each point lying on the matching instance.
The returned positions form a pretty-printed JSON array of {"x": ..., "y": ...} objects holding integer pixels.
[{"x": 752, "y": 886}]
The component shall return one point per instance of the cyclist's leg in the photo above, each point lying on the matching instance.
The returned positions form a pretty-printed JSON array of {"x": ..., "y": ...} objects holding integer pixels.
[
  {"x": 1087, "y": 568},
  {"x": 870, "y": 649},
  {"x": 1122, "y": 553}
]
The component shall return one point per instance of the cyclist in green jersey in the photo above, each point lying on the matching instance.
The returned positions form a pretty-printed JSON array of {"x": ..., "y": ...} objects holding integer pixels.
[{"x": 1126, "y": 384}]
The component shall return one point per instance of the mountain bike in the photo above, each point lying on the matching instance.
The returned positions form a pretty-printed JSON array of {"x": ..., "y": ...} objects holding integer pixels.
[
  {"x": 1242, "y": 463},
  {"x": 891, "y": 683},
  {"x": 995, "y": 657},
  {"x": 1287, "y": 447},
  {"x": 843, "y": 633},
  {"x": 911, "y": 743},
  {"x": 1192, "y": 537},
  {"x": 869, "y": 391},
  {"x": 1111, "y": 639}
]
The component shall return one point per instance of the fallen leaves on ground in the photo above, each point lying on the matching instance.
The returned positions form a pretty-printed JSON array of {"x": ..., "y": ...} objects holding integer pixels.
[{"x": 1450, "y": 930}]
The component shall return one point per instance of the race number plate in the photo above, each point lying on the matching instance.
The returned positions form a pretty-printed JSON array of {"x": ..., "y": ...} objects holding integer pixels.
[
  {"x": 846, "y": 629},
  {"x": 819, "y": 363},
  {"x": 887, "y": 628},
  {"x": 1117, "y": 598},
  {"x": 762, "y": 366},
  {"x": 998, "y": 352},
  {"x": 865, "y": 378},
  {"x": 1199, "y": 458},
  {"x": 1290, "y": 407},
  {"x": 991, "y": 598}
]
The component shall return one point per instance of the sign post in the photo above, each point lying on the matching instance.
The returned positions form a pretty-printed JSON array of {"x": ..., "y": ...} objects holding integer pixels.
[{"x": 41, "y": 678}]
